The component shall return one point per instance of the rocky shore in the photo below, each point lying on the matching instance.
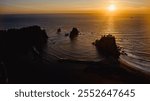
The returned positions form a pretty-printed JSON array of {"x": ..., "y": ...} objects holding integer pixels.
[
  {"x": 17, "y": 46},
  {"x": 21, "y": 61}
]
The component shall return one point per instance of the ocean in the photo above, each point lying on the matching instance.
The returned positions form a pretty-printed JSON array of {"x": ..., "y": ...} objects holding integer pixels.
[{"x": 132, "y": 34}]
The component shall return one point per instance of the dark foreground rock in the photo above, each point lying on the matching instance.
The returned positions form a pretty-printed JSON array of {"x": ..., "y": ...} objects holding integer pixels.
[
  {"x": 22, "y": 40},
  {"x": 107, "y": 46},
  {"x": 17, "y": 44},
  {"x": 74, "y": 33}
]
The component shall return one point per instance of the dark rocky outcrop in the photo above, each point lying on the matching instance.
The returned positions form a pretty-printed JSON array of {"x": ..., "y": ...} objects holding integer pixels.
[
  {"x": 66, "y": 34},
  {"x": 107, "y": 46},
  {"x": 74, "y": 33},
  {"x": 16, "y": 44},
  {"x": 22, "y": 40},
  {"x": 58, "y": 30}
]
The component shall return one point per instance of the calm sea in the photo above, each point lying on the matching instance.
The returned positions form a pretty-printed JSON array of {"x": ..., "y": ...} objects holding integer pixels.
[{"x": 132, "y": 33}]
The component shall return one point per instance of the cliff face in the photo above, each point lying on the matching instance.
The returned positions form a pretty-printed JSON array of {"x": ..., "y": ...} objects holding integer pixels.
[
  {"x": 18, "y": 47},
  {"x": 14, "y": 41}
]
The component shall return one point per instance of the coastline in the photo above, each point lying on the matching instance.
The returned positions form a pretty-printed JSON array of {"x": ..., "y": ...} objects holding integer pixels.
[
  {"x": 24, "y": 62},
  {"x": 135, "y": 70},
  {"x": 40, "y": 71},
  {"x": 102, "y": 72}
]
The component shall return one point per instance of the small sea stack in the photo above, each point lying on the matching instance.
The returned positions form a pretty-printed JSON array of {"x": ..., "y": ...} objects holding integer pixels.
[
  {"x": 66, "y": 34},
  {"x": 58, "y": 30},
  {"x": 107, "y": 46},
  {"x": 74, "y": 33}
]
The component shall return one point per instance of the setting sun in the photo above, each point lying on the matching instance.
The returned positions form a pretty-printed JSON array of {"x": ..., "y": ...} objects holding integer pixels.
[{"x": 112, "y": 7}]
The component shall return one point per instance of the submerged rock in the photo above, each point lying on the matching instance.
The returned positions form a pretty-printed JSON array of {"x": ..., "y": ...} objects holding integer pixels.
[
  {"x": 107, "y": 46},
  {"x": 66, "y": 34},
  {"x": 74, "y": 33}
]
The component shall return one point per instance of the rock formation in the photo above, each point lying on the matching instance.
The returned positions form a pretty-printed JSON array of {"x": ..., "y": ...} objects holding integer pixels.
[
  {"x": 15, "y": 44},
  {"x": 22, "y": 40},
  {"x": 107, "y": 46},
  {"x": 74, "y": 33},
  {"x": 58, "y": 30}
]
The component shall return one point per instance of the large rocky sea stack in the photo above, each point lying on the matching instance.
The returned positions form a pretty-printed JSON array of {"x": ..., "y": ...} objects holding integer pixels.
[{"x": 107, "y": 46}]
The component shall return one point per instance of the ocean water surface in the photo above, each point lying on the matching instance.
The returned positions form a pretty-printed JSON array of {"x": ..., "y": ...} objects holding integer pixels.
[{"x": 131, "y": 31}]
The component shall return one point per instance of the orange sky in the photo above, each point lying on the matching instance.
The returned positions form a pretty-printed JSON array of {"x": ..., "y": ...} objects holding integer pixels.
[{"x": 71, "y": 6}]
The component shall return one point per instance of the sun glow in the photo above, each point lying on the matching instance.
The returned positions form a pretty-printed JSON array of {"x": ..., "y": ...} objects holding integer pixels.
[{"x": 112, "y": 8}]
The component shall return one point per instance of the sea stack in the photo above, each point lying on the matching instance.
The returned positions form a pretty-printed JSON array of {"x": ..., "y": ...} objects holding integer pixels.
[
  {"x": 58, "y": 30},
  {"x": 107, "y": 46},
  {"x": 74, "y": 33}
]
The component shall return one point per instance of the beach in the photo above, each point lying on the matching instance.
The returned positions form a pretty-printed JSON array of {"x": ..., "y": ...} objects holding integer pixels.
[{"x": 73, "y": 72}]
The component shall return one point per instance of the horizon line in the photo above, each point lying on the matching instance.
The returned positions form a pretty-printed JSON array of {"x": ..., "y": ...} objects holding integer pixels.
[{"x": 101, "y": 11}]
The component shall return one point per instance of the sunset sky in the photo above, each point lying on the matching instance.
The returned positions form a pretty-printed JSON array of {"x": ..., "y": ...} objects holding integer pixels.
[{"x": 56, "y": 6}]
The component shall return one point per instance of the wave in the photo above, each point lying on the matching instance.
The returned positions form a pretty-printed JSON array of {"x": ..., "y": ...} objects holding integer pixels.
[{"x": 136, "y": 62}]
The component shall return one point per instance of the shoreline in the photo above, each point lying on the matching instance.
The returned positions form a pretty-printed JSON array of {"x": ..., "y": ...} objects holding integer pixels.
[
  {"x": 122, "y": 73},
  {"x": 132, "y": 69},
  {"x": 25, "y": 62},
  {"x": 123, "y": 64}
]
